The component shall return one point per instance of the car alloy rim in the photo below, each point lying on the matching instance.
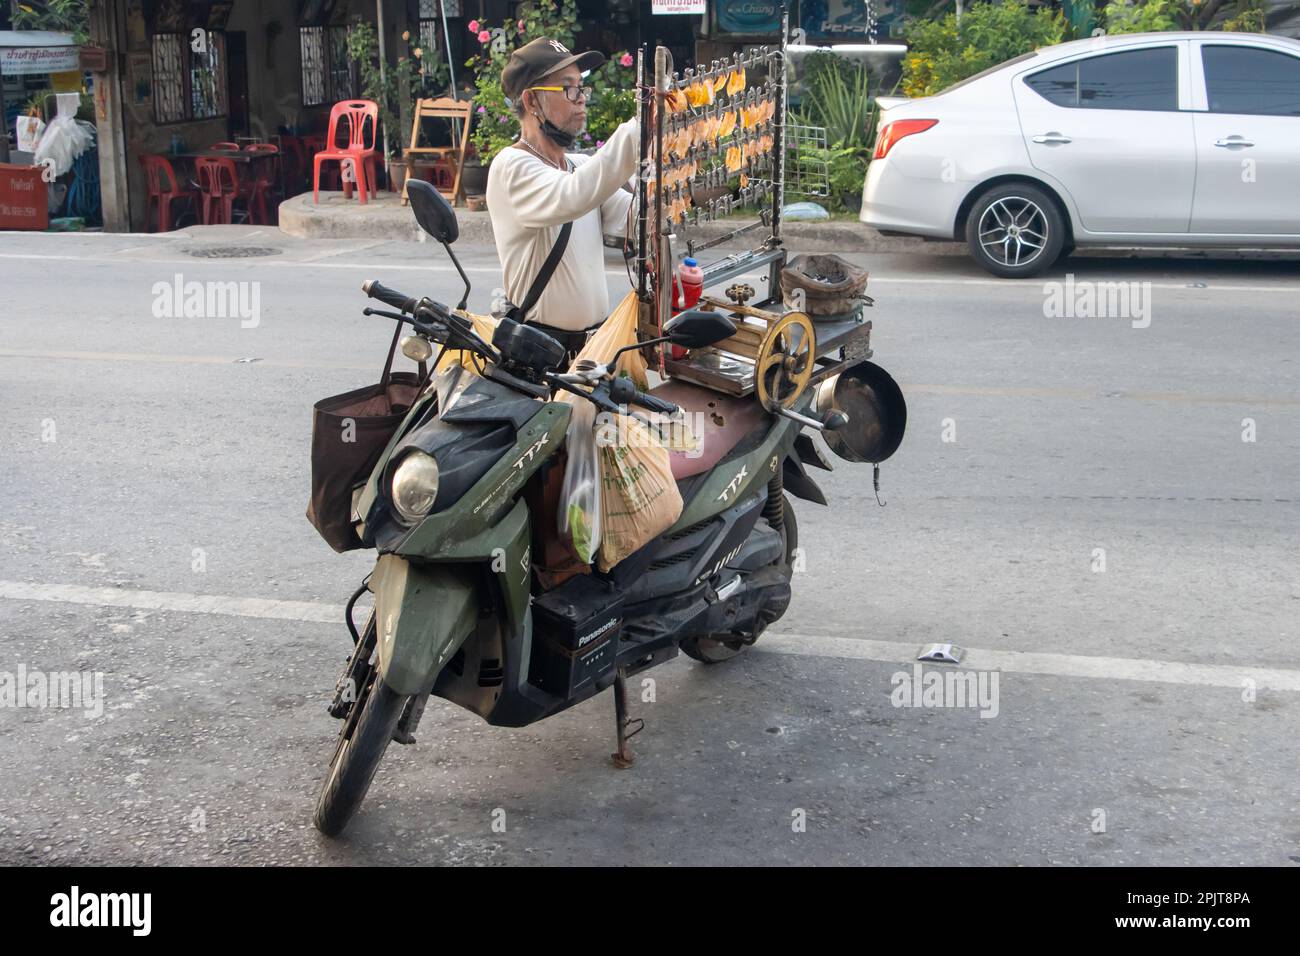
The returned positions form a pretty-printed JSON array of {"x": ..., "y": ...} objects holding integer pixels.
[{"x": 1013, "y": 231}]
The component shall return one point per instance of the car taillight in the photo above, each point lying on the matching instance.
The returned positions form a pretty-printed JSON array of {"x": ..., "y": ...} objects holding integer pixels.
[{"x": 891, "y": 133}]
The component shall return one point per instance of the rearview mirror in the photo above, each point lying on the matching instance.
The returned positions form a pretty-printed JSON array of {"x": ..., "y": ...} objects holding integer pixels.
[
  {"x": 432, "y": 212},
  {"x": 696, "y": 328}
]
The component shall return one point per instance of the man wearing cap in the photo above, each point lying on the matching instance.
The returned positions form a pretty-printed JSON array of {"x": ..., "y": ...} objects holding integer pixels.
[{"x": 535, "y": 187}]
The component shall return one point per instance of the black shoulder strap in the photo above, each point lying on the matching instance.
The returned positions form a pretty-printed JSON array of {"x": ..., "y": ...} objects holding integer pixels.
[{"x": 548, "y": 269}]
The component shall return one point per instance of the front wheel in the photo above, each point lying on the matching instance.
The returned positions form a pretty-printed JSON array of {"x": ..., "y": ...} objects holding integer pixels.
[
  {"x": 1015, "y": 231},
  {"x": 361, "y": 746}
]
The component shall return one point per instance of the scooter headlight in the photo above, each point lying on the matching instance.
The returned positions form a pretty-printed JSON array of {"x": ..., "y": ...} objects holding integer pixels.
[{"x": 415, "y": 486}]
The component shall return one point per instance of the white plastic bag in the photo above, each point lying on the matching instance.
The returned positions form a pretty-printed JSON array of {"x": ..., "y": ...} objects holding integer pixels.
[
  {"x": 579, "y": 510},
  {"x": 64, "y": 139}
]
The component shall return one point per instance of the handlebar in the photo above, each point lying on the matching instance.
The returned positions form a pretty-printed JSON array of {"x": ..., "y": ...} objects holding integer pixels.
[
  {"x": 377, "y": 290},
  {"x": 613, "y": 396},
  {"x": 623, "y": 392},
  {"x": 655, "y": 404}
]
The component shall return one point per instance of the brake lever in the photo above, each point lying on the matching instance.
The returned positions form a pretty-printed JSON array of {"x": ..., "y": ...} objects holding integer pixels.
[{"x": 400, "y": 317}]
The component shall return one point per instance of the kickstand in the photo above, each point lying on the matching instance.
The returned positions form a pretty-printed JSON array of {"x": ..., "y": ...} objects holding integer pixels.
[{"x": 623, "y": 758}]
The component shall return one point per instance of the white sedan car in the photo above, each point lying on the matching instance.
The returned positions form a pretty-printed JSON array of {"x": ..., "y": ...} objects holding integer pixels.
[{"x": 1140, "y": 140}]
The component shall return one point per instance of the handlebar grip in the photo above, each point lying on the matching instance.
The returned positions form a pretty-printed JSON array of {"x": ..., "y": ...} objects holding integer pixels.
[
  {"x": 377, "y": 290},
  {"x": 655, "y": 404}
]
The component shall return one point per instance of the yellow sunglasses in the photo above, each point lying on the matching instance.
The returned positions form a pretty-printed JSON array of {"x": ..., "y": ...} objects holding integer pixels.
[{"x": 571, "y": 93}]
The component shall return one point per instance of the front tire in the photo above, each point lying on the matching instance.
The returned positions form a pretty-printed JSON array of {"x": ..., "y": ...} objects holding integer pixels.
[
  {"x": 1015, "y": 231},
  {"x": 361, "y": 746}
]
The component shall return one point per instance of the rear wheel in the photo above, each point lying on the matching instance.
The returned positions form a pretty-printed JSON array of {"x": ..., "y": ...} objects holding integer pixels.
[
  {"x": 715, "y": 650},
  {"x": 1015, "y": 231},
  {"x": 362, "y": 742}
]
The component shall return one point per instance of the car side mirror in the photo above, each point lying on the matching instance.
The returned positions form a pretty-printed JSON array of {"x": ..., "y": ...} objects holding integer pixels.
[
  {"x": 697, "y": 328},
  {"x": 432, "y": 212}
]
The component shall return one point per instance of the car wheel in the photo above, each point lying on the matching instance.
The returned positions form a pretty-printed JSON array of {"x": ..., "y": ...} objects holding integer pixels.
[{"x": 1015, "y": 231}]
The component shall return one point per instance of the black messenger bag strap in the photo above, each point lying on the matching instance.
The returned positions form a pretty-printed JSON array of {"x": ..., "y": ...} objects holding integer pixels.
[{"x": 544, "y": 276}]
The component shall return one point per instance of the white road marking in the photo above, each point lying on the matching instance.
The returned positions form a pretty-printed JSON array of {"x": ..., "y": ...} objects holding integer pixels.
[
  {"x": 379, "y": 268},
  {"x": 174, "y": 601},
  {"x": 1038, "y": 283},
  {"x": 175, "y": 359},
  {"x": 1030, "y": 662},
  {"x": 774, "y": 642}
]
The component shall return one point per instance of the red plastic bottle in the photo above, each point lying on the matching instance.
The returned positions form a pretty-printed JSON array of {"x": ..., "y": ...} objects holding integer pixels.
[
  {"x": 686, "y": 292},
  {"x": 692, "y": 285}
]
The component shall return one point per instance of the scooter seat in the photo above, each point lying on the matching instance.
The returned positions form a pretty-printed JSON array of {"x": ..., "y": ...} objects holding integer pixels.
[{"x": 719, "y": 422}]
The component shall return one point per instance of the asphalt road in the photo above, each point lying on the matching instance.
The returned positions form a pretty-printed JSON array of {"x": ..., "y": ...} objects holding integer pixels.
[{"x": 1074, "y": 502}]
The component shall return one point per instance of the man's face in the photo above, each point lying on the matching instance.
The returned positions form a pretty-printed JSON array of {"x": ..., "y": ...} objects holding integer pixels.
[{"x": 570, "y": 117}]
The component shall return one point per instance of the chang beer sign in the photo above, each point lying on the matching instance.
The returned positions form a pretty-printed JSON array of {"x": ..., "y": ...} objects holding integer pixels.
[{"x": 749, "y": 16}]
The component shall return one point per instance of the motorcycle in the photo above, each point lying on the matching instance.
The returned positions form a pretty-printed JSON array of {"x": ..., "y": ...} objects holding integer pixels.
[{"x": 452, "y": 512}]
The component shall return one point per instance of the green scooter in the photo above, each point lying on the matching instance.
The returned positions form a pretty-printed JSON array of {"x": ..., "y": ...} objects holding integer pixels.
[{"x": 451, "y": 509}]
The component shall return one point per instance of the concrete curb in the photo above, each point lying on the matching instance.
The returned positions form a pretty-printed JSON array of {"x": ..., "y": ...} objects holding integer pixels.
[{"x": 384, "y": 217}]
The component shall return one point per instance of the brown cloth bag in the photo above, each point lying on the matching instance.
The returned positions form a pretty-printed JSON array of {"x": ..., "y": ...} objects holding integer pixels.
[{"x": 348, "y": 434}]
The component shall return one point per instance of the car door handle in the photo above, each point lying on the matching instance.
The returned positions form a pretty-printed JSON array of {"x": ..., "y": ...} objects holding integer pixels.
[
  {"x": 1230, "y": 141},
  {"x": 1052, "y": 139}
]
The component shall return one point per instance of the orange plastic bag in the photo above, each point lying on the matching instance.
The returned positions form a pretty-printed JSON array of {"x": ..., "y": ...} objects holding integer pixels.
[{"x": 614, "y": 333}]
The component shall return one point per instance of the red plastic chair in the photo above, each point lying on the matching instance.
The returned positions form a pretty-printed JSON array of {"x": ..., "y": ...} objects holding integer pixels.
[
  {"x": 262, "y": 181},
  {"x": 163, "y": 190},
  {"x": 219, "y": 181},
  {"x": 234, "y": 147},
  {"x": 313, "y": 143},
  {"x": 295, "y": 160},
  {"x": 362, "y": 117}
]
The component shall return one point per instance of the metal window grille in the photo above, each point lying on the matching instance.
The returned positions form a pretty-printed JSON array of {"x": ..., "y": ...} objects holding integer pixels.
[
  {"x": 429, "y": 9},
  {"x": 342, "y": 77},
  {"x": 208, "y": 78},
  {"x": 169, "y": 77},
  {"x": 314, "y": 65}
]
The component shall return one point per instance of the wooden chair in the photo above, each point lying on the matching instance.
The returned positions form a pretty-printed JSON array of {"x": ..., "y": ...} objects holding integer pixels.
[{"x": 436, "y": 157}]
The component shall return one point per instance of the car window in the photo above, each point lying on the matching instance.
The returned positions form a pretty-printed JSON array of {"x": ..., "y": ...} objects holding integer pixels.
[
  {"x": 992, "y": 69},
  {"x": 1132, "y": 80},
  {"x": 1239, "y": 79}
]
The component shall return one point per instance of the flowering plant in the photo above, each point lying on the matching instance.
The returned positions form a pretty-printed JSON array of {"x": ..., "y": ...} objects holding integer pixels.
[
  {"x": 394, "y": 89},
  {"x": 496, "y": 125}
]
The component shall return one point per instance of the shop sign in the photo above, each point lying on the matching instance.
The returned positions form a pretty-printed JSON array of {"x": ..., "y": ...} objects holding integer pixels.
[
  {"x": 749, "y": 16},
  {"x": 24, "y": 200},
  {"x": 679, "y": 6},
  {"x": 20, "y": 60}
]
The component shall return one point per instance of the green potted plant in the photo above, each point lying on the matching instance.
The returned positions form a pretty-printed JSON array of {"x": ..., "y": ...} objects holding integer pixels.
[
  {"x": 838, "y": 99},
  {"x": 394, "y": 90},
  {"x": 495, "y": 123}
]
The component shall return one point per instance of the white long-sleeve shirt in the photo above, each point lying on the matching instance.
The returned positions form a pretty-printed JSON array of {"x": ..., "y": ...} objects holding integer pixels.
[{"x": 529, "y": 200}]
